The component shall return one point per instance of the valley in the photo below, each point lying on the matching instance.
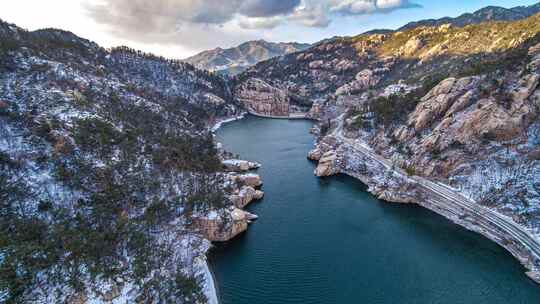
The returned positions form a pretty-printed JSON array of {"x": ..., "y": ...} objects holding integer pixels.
[{"x": 289, "y": 172}]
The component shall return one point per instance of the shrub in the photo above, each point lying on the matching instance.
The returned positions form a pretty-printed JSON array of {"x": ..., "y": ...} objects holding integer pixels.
[
  {"x": 96, "y": 135},
  {"x": 393, "y": 109},
  {"x": 410, "y": 170}
]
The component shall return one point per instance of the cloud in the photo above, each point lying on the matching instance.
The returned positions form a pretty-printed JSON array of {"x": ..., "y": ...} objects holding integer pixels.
[
  {"x": 309, "y": 13},
  {"x": 260, "y": 23},
  {"x": 267, "y": 8},
  {"x": 364, "y": 7},
  {"x": 312, "y": 14},
  {"x": 195, "y": 24},
  {"x": 200, "y": 24}
]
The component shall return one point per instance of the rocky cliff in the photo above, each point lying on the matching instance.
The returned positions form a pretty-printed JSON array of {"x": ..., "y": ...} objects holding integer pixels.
[
  {"x": 346, "y": 70},
  {"x": 220, "y": 225}
]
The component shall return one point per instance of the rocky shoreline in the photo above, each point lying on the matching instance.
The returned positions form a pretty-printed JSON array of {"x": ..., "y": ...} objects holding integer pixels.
[
  {"x": 243, "y": 188},
  {"x": 340, "y": 156}
]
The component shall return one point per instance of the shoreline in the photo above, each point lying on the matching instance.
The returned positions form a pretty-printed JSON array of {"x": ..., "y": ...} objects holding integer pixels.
[
  {"x": 293, "y": 116},
  {"x": 210, "y": 282},
  {"x": 220, "y": 123},
  {"x": 446, "y": 202}
]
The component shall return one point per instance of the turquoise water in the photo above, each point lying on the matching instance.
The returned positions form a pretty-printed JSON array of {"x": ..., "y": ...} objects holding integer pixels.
[{"x": 329, "y": 241}]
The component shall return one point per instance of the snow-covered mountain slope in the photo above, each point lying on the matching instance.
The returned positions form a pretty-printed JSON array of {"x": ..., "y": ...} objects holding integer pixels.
[{"x": 105, "y": 155}]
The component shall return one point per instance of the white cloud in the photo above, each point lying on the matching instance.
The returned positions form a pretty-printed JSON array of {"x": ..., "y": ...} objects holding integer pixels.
[
  {"x": 363, "y": 7},
  {"x": 309, "y": 14},
  {"x": 312, "y": 13},
  {"x": 166, "y": 21},
  {"x": 253, "y": 23}
]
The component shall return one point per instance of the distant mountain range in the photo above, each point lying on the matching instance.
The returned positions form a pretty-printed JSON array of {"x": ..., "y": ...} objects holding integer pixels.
[
  {"x": 489, "y": 13},
  {"x": 235, "y": 60}
]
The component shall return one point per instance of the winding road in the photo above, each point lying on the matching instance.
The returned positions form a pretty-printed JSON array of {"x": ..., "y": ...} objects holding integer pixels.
[{"x": 446, "y": 199}]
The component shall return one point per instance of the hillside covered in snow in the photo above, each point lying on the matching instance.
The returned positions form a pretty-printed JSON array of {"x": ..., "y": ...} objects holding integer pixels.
[{"x": 104, "y": 157}]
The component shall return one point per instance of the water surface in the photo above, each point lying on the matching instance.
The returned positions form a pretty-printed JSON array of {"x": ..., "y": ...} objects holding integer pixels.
[{"x": 329, "y": 241}]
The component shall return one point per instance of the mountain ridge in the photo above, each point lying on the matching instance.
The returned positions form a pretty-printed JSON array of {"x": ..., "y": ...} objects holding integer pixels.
[
  {"x": 489, "y": 13},
  {"x": 236, "y": 59}
]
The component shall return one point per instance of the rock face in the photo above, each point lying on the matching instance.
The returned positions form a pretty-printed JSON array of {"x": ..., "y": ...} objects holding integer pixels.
[
  {"x": 412, "y": 46},
  {"x": 222, "y": 227},
  {"x": 364, "y": 80},
  {"x": 446, "y": 99},
  {"x": 315, "y": 154},
  {"x": 261, "y": 98},
  {"x": 245, "y": 196},
  {"x": 328, "y": 165},
  {"x": 251, "y": 180}
]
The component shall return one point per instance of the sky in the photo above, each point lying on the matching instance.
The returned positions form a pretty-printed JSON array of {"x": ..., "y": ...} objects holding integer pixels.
[{"x": 181, "y": 28}]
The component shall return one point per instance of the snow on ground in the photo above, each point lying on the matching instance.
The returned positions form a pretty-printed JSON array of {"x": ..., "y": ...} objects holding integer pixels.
[
  {"x": 209, "y": 285},
  {"x": 222, "y": 122}
]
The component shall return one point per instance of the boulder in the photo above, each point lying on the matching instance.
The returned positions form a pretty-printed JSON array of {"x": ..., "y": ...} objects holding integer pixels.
[
  {"x": 328, "y": 165},
  {"x": 530, "y": 85},
  {"x": 240, "y": 165},
  {"x": 252, "y": 180},
  {"x": 245, "y": 196},
  {"x": 363, "y": 80},
  {"x": 315, "y": 154},
  {"x": 412, "y": 46},
  {"x": 316, "y": 64},
  {"x": 223, "y": 227}
]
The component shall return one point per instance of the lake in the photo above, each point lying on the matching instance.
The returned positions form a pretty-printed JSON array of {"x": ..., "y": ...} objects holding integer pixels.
[{"x": 330, "y": 241}]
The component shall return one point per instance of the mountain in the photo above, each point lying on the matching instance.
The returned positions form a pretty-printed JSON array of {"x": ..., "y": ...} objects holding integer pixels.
[
  {"x": 235, "y": 60},
  {"x": 490, "y": 13},
  {"x": 111, "y": 185},
  {"x": 431, "y": 115}
]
